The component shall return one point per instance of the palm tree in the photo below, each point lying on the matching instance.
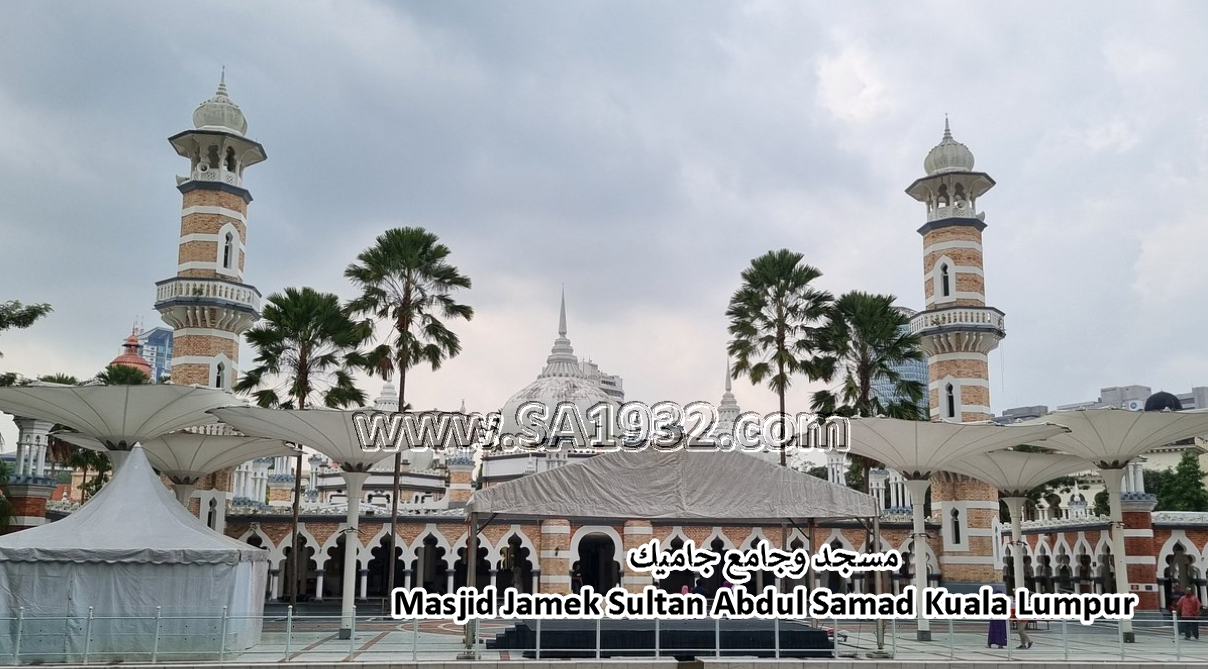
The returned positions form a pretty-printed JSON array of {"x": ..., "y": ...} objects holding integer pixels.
[
  {"x": 14, "y": 315},
  {"x": 865, "y": 340},
  {"x": 773, "y": 316},
  {"x": 306, "y": 349},
  {"x": 405, "y": 280},
  {"x": 121, "y": 375}
]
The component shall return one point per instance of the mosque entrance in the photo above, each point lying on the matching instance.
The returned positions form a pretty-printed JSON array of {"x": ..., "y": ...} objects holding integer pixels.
[
  {"x": 597, "y": 562},
  {"x": 307, "y": 577},
  {"x": 333, "y": 572}
]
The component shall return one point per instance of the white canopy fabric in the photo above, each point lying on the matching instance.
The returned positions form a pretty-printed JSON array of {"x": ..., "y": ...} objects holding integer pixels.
[
  {"x": 118, "y": 416},
  {"x": 134, "y": 519},
  {"x": 918, "y": 448},
  {"x": 1111, "y": 437},
  {"x": 329, "y": 431},
  {"x": 128, "y": 554},
  {"x": 187, "y": 455},
  {"x": 1015, "y": 473},
  {"x": 682, "y": 485}
]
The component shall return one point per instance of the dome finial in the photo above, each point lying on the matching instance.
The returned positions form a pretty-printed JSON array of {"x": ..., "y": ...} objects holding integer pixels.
[
  {"x": 947, "y": 130},
  {"x": 727, "y": 374},
  {"x": 562, "y": 315},
  {"x": 222, "y": 82}
]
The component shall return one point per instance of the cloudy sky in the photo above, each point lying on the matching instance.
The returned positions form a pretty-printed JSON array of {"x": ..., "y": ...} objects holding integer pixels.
[{"x": 639, "y": 153}]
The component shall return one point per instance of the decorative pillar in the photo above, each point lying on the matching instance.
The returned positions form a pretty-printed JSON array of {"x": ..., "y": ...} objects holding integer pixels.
[
  {"x": 637, "y": 532},
  {"x": 554, "y": 556},
  {"x": 318, "y": 585}
]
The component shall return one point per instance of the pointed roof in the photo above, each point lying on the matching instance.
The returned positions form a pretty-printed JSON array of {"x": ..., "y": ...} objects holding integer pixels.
[
  {"x": 949, "y": 155},
  {"x": 562, "y": 360},
  {"x": 219, "y": 112},
  {"x": 130, "y": 356},
  {"x": 104, "y": 529}
]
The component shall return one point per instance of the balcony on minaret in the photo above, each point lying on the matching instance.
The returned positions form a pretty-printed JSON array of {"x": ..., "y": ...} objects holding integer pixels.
[
  {"x": 207, "y": 303},
  {"x": 959, "y": 319},
  {"x": 957, "y": 329}
]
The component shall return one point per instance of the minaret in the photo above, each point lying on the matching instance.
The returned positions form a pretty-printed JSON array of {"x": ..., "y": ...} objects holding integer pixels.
[
  {"x": 206, "y": 303},
  {"x": 958, "y": 332}
]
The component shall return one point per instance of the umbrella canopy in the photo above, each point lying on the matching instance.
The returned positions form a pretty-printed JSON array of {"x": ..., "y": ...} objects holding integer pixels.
[
  {"x": 1016, "y": 473},
  {"x": 1111, "y": 437},
  {"x": 682, "y": 484},
  {"x": 117, "y": 416},
  {"x": 329, "y": 431},
  {"x": 918, "y": 448},
  {"x": 186, "y": 456},
  {"x": 132, "y": 519}
]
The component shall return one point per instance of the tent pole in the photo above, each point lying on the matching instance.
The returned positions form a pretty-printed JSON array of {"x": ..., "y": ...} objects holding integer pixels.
[{"x": 918, "y": 552}]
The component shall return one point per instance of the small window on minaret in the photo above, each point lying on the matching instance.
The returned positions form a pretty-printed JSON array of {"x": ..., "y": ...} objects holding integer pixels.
[
  {"x": 220, "y": 375},
  {"x": 956, "y": 526},
  {"x": 950, "y": 400},
  {"x": 230, "y": 159},
  {"x": 945, "y": 281},
  {"x": 228, "y": 251}
]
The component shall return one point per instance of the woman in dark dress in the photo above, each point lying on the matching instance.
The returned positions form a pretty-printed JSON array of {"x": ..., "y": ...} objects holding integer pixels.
[{"x": 997, "y": 635}]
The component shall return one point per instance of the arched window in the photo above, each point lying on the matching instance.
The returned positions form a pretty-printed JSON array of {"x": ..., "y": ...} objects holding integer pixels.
[
  {"x": 956, "y": 526},
  {"x": 945, "y": 281},
  {"x": 220, "y": 375},
  {"x": 950, "y": 400},
  {"x": 230, "y": 159},
  {"x": 228, "y": 251}
]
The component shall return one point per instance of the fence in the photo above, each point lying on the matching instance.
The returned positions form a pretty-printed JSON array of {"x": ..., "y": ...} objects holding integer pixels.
[{"x": 97, "y": 639}]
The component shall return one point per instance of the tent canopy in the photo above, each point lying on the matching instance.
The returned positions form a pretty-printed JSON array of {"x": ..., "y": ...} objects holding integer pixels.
[
  {"x": 331, "y": 432},
  {"x": 682, "y": 485},
  {"x": 118, "y": 416},
  {"x": 1112, "y": 437},
  {"x": 134, "y": 519},
  {"x": 918, "y": 448},
  {"x": 190, "y": 455},
  {"x": 1015, "y": 473}
]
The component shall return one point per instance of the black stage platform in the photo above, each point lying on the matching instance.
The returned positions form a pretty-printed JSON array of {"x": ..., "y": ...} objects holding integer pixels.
[{"x": 678, "y": 638}]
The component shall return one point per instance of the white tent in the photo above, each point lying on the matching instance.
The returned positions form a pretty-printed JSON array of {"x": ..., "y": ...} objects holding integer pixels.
[
  {"x": 131, "y": 549},
  {"x": 681, "y": 485}
]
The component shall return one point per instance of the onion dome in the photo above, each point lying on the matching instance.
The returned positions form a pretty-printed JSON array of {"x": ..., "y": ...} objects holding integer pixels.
[
  {"x": 948, "y": 156},
  {"x": 131, "y": 358},
  {"x": 219, "y": 113},
  {"x": 1161, "y": 401}
]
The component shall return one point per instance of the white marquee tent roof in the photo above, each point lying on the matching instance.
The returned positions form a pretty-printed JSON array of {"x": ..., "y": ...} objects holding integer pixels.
[
  {"x": 681, "y": 485},
  {"x": 331, "y": 432},
  {"x": 134, "y": 519}
]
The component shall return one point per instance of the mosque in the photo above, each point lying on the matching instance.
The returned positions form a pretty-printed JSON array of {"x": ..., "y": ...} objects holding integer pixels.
[{"x": 208, "y": 306}]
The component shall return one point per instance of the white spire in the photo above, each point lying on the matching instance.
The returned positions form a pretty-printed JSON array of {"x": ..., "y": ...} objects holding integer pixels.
[
  {"x": 727, "y": 374},
  {"x": 562, "y": 360},
  {"x": 388, "y": 400},
  {"x": 562, "y": 315},
  {"x": 222, "y": 83}
]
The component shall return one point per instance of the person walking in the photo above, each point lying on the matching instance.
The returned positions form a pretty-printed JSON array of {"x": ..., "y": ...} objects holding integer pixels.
[
  {"x": 1025, "y": 641},
  {"x": 1189, "y": 614}
]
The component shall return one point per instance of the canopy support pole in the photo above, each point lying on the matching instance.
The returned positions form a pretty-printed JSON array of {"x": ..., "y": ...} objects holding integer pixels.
[
  {"x": 1015, "y": 508},
  {"x": 918, "y": 493},
  {"x": 355, "y": 481}
]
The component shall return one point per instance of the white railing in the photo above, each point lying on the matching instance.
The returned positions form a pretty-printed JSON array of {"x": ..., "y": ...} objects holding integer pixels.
[
  {"x": 954, "y": 211},
  {"x": 980, "y": 317},
  {"x": 208, "y": 289}
]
